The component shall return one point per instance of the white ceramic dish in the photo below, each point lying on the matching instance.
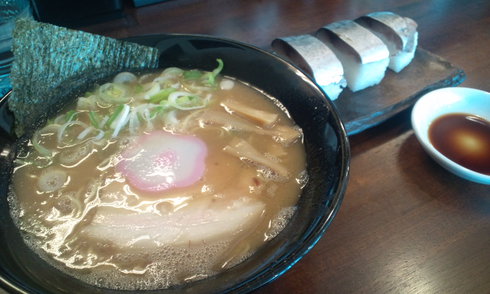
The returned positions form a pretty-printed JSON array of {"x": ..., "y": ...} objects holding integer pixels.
[{"x": 445, "y": 101}]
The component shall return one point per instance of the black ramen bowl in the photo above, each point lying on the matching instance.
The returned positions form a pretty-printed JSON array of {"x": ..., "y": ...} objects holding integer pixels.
[{"x": 328, "y": 155}]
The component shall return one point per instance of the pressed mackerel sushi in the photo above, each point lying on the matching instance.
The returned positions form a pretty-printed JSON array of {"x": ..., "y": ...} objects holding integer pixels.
[
  {"x": 397, "y": 32},
  {"x": 363, "y": 55},
  {"x": 314, "y": 57}
]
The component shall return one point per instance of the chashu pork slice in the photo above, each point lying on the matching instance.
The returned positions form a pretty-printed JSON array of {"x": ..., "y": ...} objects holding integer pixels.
[
  {"x": 397, "y": 32},
  {"x": 199, "y": 223},
  {"x": 363, "y": 55},
  {"x": 315, "y": 58}
]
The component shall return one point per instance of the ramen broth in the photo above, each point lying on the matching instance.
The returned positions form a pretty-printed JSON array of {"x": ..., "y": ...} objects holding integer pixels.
[{"x": 133, "y": 188}]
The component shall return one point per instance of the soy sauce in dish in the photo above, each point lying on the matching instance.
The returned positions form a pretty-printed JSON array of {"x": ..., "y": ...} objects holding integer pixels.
[{"x": 463, "y": 138}]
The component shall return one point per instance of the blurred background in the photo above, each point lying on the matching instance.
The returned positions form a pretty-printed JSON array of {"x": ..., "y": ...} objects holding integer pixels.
[{"x": 79, "y": 13}]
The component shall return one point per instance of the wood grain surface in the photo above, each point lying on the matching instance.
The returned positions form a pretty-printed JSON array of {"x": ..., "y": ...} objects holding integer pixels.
[{"x": 406, "y": 225}]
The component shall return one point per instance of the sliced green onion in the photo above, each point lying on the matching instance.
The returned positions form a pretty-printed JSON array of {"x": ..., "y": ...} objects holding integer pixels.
[
  {"x": 99, "y": 136},
  {"x": 85, "y": 133},
  {"x": 121, "y": 121},
  {"x": 171, "y": 119},
  {"x": 63, "y": 128},
  {"x": 172, "y": 71},
  {"x": 211, "y": 76},
  {"x": 198, "y": 88},
  {"x": 147, "y": 117},
  {"x": 59, "y": 120},
  {"x": 149, "y": 89},
  {"x": 103, "y": 122},
  {"x": 192, "y": 74},
  {"x": 138, "y": 88},
  {"x": 70, "y": 115},
  {"x": 88, "y": 130},
  {"x": 218, "y": 69},
  {"x": 162, "y": 95},
  {"x": 134, "y": 122},
  {"x": 86, "y": 103},
  {"x": 185, "y": 100},
  {"x": 140, "y": 117},
  {"x": 118, "y": 110},
  {"x": 157, "y": 110},
  {"x": 124, "y": 78},
  {"x": 94, "y": 119},
  {"x": 39, "y": 148},
  {"x": 113, "y": 93}
]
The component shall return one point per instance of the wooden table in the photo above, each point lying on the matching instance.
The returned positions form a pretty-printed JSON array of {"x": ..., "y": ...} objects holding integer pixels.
[{"x": 406, "y": 225}]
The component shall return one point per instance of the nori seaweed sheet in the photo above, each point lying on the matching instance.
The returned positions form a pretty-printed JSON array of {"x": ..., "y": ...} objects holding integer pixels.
[{"x": 50, "y": 62}]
